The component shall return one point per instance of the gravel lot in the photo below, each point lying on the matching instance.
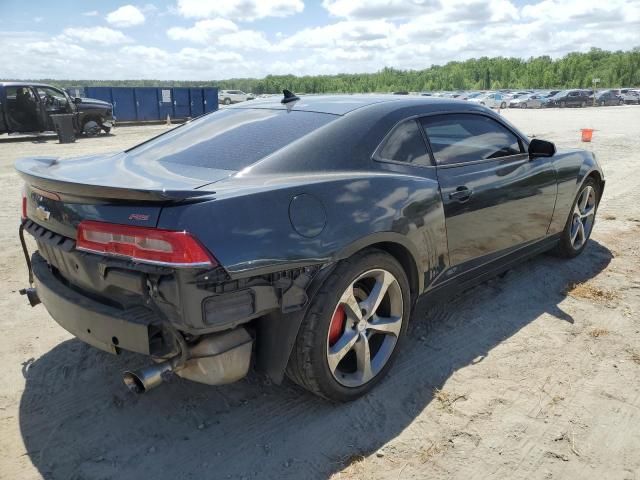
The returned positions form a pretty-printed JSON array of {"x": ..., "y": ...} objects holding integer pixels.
[{"x": 533, "y": 375}]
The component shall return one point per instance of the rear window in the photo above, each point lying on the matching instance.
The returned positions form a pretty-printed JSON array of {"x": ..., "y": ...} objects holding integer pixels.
[{"x": 231, "y": 139}]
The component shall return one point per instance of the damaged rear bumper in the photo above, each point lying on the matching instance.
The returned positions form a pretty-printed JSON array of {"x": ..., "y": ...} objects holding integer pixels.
[{"x": 213, "y": 359}]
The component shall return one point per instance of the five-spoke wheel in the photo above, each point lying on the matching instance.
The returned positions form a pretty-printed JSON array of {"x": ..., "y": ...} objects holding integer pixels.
[
  {"x": 581, "y": 219},
  {"x": 352, "y": 328},
  {"x": 584, "y": 213},
  {"x": 364, "y": 328}
]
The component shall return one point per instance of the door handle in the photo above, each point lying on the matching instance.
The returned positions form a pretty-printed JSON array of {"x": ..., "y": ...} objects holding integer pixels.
[{"x": 462, "y": 194}]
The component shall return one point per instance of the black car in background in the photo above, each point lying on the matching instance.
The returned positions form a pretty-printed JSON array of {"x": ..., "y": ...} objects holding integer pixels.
[
  {"x": 302, "y": 250},
  {"x": 569, "y": 98},
  {"x": 27, "y": 108},
  {"x": 608, "y": 97}
]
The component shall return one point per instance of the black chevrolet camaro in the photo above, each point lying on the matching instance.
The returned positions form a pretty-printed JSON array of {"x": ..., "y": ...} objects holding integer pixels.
[{"x": 294, "y": 234}]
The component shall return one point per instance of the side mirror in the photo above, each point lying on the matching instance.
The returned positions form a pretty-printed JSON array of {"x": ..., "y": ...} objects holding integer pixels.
[
  {"x": 541, "y": 148},
  {"x": 77, "y": 100}
]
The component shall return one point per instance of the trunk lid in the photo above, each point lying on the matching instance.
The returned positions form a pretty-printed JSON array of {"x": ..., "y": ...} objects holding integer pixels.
[{"x": 109, "y": 188}]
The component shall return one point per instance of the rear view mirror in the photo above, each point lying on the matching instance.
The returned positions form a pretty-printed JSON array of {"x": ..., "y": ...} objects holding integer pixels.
[
  {"x": 77, "y": 100},
  {"x": 541, "y": 148}
]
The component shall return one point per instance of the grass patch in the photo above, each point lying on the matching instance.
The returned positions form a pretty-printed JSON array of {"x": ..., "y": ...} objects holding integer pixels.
[
  {"x": 598, "y": 332},
  {"x": 447, "y": 399},
  {"x": 590, "y": 292}
]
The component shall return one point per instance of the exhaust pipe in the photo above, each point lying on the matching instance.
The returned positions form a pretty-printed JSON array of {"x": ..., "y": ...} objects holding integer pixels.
[
  {"x": 144, "y": 379},
  {"x": 214, "y": 359}
]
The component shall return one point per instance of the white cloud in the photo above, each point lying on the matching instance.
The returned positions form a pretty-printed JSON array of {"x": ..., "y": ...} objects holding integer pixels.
[
  {"x": 92, "y": 13},
  {"x": 96, "y": 35},
  {"x": 359, "y": 33},
  {"x": 203, "y": 31},
  {"x": 359, "y": 38},
  {"x": 385, "y": 9},
  {"x": 239, "y": 10},
  {"x": 126, "y": 16}
]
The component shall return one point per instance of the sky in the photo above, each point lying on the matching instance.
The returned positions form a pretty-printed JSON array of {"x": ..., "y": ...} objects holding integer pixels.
[{"x": 215, "y": 40}]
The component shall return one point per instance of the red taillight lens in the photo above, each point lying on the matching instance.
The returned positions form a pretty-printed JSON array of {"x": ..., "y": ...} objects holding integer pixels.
[
  {"x": 149, "y": 245},
  {"x": 24, "y": 203}
]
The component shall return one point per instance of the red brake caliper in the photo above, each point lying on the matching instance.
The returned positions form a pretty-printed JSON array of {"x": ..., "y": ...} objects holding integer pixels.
[{"x": 337, "y": 325}]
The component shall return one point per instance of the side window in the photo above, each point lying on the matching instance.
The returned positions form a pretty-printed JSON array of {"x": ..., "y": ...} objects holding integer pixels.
[
  {"x": 405, "y": 144},
  {"x": 460, "y": 138}
]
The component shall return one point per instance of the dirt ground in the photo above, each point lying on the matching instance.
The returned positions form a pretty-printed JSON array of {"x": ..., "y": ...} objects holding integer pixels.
[{"x": 533, "y": 375}]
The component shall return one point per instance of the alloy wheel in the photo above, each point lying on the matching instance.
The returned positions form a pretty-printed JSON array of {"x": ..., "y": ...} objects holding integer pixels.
[
  {"x": 583, "y": 217},
  {"x": 365, "y": 327}
]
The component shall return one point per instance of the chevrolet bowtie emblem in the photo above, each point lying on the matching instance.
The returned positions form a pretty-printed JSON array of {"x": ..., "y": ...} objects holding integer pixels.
[{"x": 42, "y": 213}]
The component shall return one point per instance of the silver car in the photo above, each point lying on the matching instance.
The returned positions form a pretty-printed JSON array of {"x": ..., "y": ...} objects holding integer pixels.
[
  {"x": 533, "y": 100},
  {"x": 491, "y": 100}
]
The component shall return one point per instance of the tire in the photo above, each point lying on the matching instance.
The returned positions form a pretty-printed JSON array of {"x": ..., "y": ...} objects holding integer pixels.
[
  {"x": 583, "y": 104},
  {"x": 567, "y": 247},
  {"x": 317, "y": 363},
  {"x": 601, "y": 103},
  {"x": 621, "y": 102},
  {"x": 524, "y": 105},
  {"x": 503, "y": 105},
  {"x": 563, "y": 104},
  {"x": 227, "y": 101},
  {"x": 91, "y": 127},
  {"x": 106, "y": 130}
]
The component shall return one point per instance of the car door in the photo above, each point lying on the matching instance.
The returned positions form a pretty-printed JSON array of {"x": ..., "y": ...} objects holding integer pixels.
[
  {"x": 495, "y": 198},
  {"x": 4, "y": 127},
  {"x": 52, "y": 102}
]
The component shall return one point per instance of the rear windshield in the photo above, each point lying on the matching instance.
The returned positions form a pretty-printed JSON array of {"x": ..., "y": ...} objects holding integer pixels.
[{"x": 231, "y": 139}]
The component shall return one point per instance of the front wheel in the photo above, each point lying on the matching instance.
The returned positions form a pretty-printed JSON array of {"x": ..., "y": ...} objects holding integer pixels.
[
  {"x": 583, "y": 104},
  {"x": 563, "y": 104},
  {"x": 579, "y": 225},
  {"x": 353, "y": 326},
  {"x": 227, "y": 101},
  {"x": 524, "y": 105},
  {"x": 503, "y": 105}
]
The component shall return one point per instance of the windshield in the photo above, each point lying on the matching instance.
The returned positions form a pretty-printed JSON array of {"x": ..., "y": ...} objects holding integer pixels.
[{"x": 230, "y": 139}]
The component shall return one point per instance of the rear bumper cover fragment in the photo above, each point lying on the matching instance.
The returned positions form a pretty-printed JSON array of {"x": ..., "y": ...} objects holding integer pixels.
[{"x": 102, "y": 326}]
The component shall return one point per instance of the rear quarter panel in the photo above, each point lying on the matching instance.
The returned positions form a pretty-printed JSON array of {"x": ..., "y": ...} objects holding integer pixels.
[{"x": 253, "y": 233}]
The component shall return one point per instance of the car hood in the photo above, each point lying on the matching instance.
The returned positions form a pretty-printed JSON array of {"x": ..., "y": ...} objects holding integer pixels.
[{"x": 94, "y": 102}]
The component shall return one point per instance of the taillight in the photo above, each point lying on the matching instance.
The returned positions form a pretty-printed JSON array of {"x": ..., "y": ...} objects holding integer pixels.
[
  {"x": 147, "y": 245},
  {"x": 24, "y": 202}
]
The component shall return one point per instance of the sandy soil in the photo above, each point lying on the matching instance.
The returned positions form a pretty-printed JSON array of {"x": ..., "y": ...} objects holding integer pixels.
[{"x": 533, "y": 375}]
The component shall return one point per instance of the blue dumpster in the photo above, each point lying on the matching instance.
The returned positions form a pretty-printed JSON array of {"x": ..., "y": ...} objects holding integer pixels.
[
  {"x": 124, "y": 104},
  {"x": 210, "y": 99},
  {"x": 197, "y": 106},
  {"x": 147, "y": 103},
  {"x": 181, "y": 103},
  {"x": 99, "y": 93}
]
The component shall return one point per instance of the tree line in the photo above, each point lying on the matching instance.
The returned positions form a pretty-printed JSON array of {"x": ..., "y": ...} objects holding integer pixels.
[{"x": 574, "y": 70}]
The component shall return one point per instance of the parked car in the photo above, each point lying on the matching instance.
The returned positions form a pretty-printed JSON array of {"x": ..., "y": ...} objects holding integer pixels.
[
  {"x": 492, "y": 100},
  {"x": 532, "y": 100},
  {"x": 608, "y": 97},
  {"x": 628, "y": 96},
  {"x": 27, "y": 107},
  {"x": 227, "y": 97},
  {"x": 304, "y": 250},
  {"x": 569, "y": 98}
]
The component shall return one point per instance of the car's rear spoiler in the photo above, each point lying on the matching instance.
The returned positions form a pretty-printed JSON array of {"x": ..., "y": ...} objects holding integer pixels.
[{"x": 37, "y": 173}]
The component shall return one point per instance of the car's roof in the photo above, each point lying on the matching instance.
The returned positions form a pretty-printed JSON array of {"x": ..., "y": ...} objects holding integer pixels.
[{"x": 343, "y": 104}]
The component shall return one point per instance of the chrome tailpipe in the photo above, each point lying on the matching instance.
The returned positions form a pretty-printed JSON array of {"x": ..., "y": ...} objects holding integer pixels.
[
  {"x": 144, "y": 379},
  {"x": 214, "y": 359}
]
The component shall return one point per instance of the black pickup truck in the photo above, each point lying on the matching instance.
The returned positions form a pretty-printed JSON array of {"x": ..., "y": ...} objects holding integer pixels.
[{"x": 27, "y": 107}]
